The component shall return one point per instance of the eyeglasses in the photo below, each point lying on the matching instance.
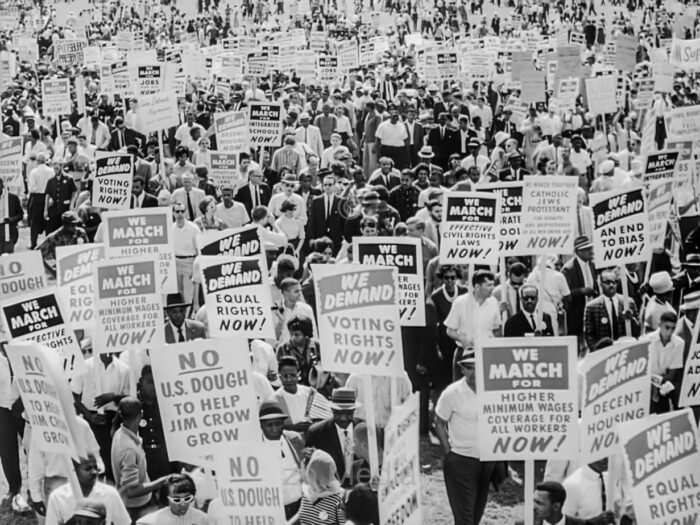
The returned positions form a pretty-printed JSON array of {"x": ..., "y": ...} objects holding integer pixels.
[
  {"x": 178, "y": 211},
  {"x": 184, "y": 499},
  {"x": 608, "y": 281}
]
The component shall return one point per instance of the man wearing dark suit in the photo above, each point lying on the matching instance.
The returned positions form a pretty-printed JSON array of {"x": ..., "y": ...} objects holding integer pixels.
[
  {"x": 549, "y": 500},
  {"x": 580, "y": 276},
  {"x": 139, "y": 198},
  {"x": 255, "y": 193},
  {"x": 605, "y": 315},
  {"x": 386, "y": 176},
  {"x": 324, "y": 217},
  {"x": 442, "y": 106},
  {"x": 416, "y": 136},
  {"x": 443, "y": 140},
  {"x": 121, "y": 136},
  {"x": 335, "y": 435},
  {"x": 525, "y": 322},
  {"x": 514, "y": 172},
  {"x": 178, "y": 329},
  {"x": 10, "y": 214},
  {"x": 291, "y": 445}
]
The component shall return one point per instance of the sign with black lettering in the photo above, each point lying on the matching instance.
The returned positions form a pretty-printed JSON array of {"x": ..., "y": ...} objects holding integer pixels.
[
  {"x": 75, "y": 283},
  {"x": 509, "y": 239},
  {"x": 265, "y": 123},
  {"x": 113, "y": 180}
]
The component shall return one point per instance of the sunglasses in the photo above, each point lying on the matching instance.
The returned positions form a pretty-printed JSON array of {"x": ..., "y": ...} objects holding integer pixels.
[{"x": 184, "y": 499}]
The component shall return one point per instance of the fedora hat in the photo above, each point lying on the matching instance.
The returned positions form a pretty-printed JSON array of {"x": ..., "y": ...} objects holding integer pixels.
[
  {"x": 468, "y": 357},
  {"x": 691, "y": 301},
  {"x": 344, "y": 399},
  {"x": 426, "y": 152},
  {"x": 175, "y": 300},
  {"x": 692, "y": 259},
  {"x": 270, "y": 410},
  {"x": 582, "y": 242}
]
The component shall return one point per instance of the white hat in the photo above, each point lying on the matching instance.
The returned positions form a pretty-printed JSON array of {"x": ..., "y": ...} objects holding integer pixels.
[
  {"x": 661, "y": 282},
  {"x": 501, "y": 137},
  {"x": 606, "y": 166}
]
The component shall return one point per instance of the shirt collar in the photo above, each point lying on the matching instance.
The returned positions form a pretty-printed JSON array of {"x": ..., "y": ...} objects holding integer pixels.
[{"x": 136, "y": 439}]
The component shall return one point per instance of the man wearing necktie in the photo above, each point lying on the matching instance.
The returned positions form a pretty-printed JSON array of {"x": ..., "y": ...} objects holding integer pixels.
[
  {"x": 605, "y": 316},
  {"x": 586, "y": 494},
  {"x": 189, "y": 196},
  {"x": 525, "y": 321},
  {"x": 178, "y": 329}
]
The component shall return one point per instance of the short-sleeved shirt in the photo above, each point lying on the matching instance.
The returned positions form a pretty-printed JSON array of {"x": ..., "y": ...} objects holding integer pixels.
[
  {"x": 129, "y": 466},
  {"x": 111, "y": 380},
  {"x": 474, "y": 319},
  {"x": 663, "y": 358},
  {"x": 233, "y": 217},
  {"x": 393, "y": 135},
  {"x": 457, "y": 406},
  {"x": 324, "y": 511},
  {"x": 62, "y": 504}
]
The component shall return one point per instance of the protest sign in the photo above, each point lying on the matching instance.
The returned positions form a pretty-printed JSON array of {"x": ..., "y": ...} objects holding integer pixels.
[
  {"x": 143, "y": 232},
  {"x": 250, "y": 484},
  {"x": 149, "y": 79},
  {"x": 20, "y": 273},
  {"x": 40, "y": 317},
  {"x": 223, "y": 169},
  {"x": 528, "y": 407},
  {"x": 470, "y": 222},
  {"x": 689, "y": 394},
  {"x": 75, "y": 282},
  {"x": 549, "y": 209},
  {"x": 682, "y": 122},
  {"x": 568, "y": 93},
  {"x": 237, "y": 292},
  {"x": 662, "y": 461},
  {"x": 509, "y": 240},
  {"x": 358, "y": 319},
  {"x": 660, "y": 166},
  {"x": 158, "y": 111},
  {"x": 265, "y": 123},
  {"x": 128, "y": 305},
  {"x": 69, "y": 52},
  {"x": 111, "y": 188},
  {"x": 399, "y": 486},
  {"x": 206, "y": 396},
  {"x": 55, "y": 97},
  {"x": 598, "y": 92},
  {"x": 658, "y": 209},
  {"x": 533, "y": 85},
  {"x": 231, "y": 132},
  {"x": 616, "y": 389},
  {"x": 347, "y": 55},
  {"x": 620, "y": 225},
  {"x": 685, "y": 54},
  {"x": 234, "y": 242},
  {"x": 327, "y": 68},
  {"x": 683, "y": 176},
  {"x": 48, "y": 402},
  {"x": 11, "y": 164},
  {"x": 405, "y": 254}
]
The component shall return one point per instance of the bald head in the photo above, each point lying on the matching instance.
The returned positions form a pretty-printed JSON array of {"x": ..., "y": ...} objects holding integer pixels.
[{"x": 129, "y": 408}]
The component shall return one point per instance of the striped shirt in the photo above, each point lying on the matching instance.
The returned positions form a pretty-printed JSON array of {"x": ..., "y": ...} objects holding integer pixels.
[
  {"x": 288, "y": 157},
  {"x": 324, "y": 511}
]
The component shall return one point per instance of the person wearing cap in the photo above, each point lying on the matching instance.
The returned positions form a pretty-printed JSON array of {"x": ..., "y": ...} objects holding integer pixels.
[
  {"x": 63, "y": 504},
  {"x": 90, "y": 512},
  {"x": 688, "y": 280},
  {"x": 61, "y": 194},
  {"x": 513, "y": 172},
  {"x": 335, "y": 435},
  {"x": 11, "y": 213},
  {"x": 271, "y": 417},
  {"x": 607, "y": 179},
  {"x": 289, "y": 183},
  {"x": 178, "y": 328},
  {"x": 661, "y": 286},
  {"x": 467, "y": 478},
  {"x": 67, "y": 235},
  {"x": 473, "y": 157},
  {"x": 580, "y": 276},
  {"x": 309, "y": 134},
  {"x": 607, "y": 314}
]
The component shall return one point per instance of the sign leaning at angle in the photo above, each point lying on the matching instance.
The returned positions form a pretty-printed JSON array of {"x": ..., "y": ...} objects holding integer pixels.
[
  {"x": 358, "y": 319},
  {"x": 615, "y": 390},
  {"x": 405, "y": 254},
  {"x": 20, "y": 273},
  {"x": 527, "y": 393},
  {"x": 75, "y": 282},
  {"x": 470, "y": 227}
]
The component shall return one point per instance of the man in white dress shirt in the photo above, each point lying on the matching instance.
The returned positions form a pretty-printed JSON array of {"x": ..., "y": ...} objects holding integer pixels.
[{"x": 309, "y": 134}]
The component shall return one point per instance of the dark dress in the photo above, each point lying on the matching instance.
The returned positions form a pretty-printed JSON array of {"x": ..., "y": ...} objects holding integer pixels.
[{"x": 443, "y": 368}]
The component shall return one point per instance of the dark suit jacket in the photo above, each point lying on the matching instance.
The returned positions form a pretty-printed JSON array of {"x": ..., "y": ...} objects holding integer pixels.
[
  {"x": 14, "y": 215},
  {"x": 392, "y": 181},
  {"x": 318, "y": 226},
  {"x": 149, "y": 201},
  {"x": 418, "y": 134},
  {"x": 193, "y": 330},
  {"x": 243, "y": 196},
  {"x": 131, "y": 137},
  {"x": 507, "y": 175},
  {"x": 324, "y": 436},
  {"x": 518, "y": 325},
  {"x": 568, "y": 520},
  {"x": 574, "y": 278},
  {"x": 597, "y": 323},
  {"x": 442, "y": 147}
]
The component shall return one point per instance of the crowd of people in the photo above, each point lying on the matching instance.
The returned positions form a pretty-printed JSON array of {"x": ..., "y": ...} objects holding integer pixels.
[{"x": 370, "y": 154}]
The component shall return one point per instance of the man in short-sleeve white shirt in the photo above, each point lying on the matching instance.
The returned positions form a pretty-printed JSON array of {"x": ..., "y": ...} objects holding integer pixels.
[
  {"x": 467, "y": 478},
  {"x": 475, "y": 315}
]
